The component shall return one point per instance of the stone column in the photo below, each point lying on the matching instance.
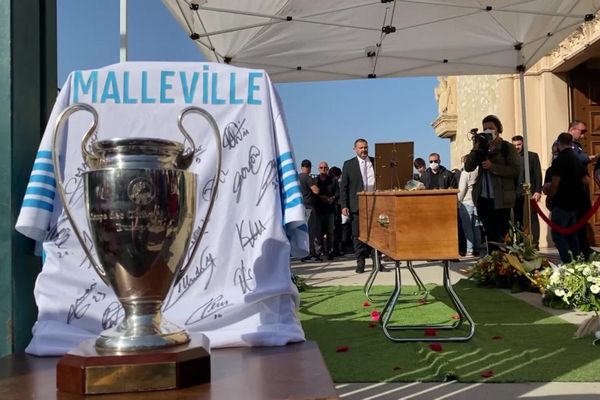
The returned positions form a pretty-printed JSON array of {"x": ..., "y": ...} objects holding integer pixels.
[{"x": 506, "y": 104}]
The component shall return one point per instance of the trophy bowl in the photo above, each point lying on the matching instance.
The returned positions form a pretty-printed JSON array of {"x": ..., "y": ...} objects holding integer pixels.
[
  {"x": 140, "y": 207},
  {"x": 141, "y": 222}
]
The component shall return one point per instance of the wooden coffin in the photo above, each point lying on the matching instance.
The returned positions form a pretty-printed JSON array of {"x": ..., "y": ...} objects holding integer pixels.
[{"x": 410, "y": 225}]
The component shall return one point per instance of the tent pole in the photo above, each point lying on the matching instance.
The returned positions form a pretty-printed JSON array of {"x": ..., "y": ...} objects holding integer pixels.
[
  {"x": 527, "y": 183},
  {"x": 123, "y": 31}
]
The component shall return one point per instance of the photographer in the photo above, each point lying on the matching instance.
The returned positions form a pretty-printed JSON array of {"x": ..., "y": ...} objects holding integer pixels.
[{"x": 494, "y": 191}]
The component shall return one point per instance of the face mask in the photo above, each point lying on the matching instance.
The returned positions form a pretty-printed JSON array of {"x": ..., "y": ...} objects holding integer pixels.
[
  {"x": 491, "y": 132},
  {"x": 434, "y": 166}
]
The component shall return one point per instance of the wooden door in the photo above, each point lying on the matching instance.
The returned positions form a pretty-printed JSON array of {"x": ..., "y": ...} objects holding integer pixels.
[{"x": 585, "y": 89}]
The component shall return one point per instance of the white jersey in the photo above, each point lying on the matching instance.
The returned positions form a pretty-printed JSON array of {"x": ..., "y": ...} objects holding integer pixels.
[{"x": 238, "y": 289}]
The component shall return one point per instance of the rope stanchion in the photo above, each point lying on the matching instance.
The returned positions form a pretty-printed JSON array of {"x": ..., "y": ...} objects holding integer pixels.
[{"x": 571, "y": 229}]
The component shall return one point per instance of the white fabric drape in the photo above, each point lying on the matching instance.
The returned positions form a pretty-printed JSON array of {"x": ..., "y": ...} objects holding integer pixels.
[{"x": 238, "y": 288}]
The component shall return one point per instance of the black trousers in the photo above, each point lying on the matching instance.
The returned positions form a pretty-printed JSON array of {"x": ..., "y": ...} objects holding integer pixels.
[
  {"x": 496, "y": 222},
  {"x": 361, "y": 249},
  {"x": 519, "y": 217},
  {"x": 325, "y": 231},
  {"x": 582, "y": 234}
]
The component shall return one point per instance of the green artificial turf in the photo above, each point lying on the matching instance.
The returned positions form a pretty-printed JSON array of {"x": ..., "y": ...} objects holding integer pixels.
[{"x": 513, "y": 342}]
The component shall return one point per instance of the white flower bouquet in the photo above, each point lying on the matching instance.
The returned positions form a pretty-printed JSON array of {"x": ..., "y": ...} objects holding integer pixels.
[{"x": 577, "y": 284}]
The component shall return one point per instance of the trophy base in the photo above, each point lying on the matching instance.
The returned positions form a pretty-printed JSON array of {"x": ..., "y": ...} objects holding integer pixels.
[
  {"x": 85, "y": 371},
  {"x": 139, "y": 335}
]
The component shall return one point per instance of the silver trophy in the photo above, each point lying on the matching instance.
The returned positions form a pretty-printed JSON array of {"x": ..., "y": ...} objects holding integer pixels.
[{"x": 140, "y": 204}]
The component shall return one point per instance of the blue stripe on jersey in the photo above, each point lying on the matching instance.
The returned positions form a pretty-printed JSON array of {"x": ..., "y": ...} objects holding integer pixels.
[
  {"x": 284, "y": 157},
  {"x": 43, "y": 179},
  {"x": 291, "y": 191},
  {"x": 40, "y": 191},
  {"x": 38, "y": 166},
  {"x": 40, "y": 204},
  {"x": 287, "y": 168},
  {"x": 44, "y": 154},
  {"x": 288, "y": 180},
  {"x": 294, "y": 203}
]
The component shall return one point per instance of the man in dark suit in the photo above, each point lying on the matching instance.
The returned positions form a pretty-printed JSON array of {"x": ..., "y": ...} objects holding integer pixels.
[
  {"x": 358, "y": 175},
  {"x": 535, "y": 176}
]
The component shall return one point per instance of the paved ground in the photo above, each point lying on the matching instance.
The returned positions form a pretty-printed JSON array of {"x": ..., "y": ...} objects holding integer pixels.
[{"x": 341, "y": 272}]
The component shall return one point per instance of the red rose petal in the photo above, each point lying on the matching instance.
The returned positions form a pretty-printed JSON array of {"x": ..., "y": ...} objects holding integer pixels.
[
  {"x": 366, "y": 304},
  {"x": 372, "y": 324},
  {"x": 496, "y": 337},
  {"x": 430, "y": 332},
  {"x": 422, "y": 301},
  {"x": 397, "y": 368},
  {"x": 435, "y": 347},
  {"x": 487, "y": 374},
  {"x": 455, "y": 316},
  {"x": 342, "y": 349},
  {"x": 375, "y": 315}
]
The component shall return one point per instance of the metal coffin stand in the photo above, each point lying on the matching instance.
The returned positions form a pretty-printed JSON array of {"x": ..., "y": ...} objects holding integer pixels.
[
  {"x": 399, "y": 225},
  {"x": 421, "y": 289}
]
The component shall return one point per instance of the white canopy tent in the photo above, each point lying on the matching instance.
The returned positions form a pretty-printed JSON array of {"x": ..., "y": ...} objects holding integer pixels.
[{"x": 308, "y": 40}]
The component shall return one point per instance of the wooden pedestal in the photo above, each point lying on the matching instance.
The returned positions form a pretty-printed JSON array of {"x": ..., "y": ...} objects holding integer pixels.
[
  {"x": 84, "y": 371},
  {"x": 410, "y": 225}
]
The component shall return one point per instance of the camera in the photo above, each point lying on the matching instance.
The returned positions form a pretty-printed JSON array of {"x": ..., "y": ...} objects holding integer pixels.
[{"x": 483, "y": 139}]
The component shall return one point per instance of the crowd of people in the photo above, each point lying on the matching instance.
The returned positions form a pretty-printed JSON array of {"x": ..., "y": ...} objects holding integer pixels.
[
  {"x": 329, "y": 233},
  {"x": 491, "y": 194}
]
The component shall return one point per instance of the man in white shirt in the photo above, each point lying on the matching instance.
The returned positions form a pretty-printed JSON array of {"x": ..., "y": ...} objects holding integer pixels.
[{"x": 358, "y": 175}]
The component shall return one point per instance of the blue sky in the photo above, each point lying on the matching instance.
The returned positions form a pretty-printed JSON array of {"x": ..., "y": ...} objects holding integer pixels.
[{"x": 324, "y": 118}]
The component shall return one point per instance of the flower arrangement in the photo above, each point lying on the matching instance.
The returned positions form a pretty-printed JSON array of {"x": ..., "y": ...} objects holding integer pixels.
[
  {"x": 577, "y": 283},
  {"x": 496, "y": 270},
  {"x": 516, "y": 266}
]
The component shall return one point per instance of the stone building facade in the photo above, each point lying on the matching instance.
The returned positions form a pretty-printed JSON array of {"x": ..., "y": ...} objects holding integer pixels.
[{"x": 562, "y": 86}]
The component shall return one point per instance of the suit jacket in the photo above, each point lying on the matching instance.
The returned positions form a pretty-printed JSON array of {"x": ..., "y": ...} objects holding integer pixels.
[
  {"x": 351, "y": 184},
  {"x": 535, "y": 174}
]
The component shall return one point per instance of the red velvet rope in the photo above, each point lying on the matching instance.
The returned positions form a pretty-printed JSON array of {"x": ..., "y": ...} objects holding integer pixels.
[{"x": 571, "y": 229}]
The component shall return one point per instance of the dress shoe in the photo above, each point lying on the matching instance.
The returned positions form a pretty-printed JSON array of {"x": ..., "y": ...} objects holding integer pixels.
[
  {"x": 360, "y": 267},
  {"x": 304, "y": 259},
  {"x": 317, "y": 257}
]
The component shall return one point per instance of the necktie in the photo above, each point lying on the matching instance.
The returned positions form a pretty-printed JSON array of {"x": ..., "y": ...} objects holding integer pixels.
[{"x": 364, "y": 175}]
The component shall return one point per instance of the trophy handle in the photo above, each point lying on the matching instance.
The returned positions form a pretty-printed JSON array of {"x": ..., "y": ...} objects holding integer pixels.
[
  {"x": 187, "y": 160},
  {"x": 90, "y": 159},
  {"x": 62, "y": 117}
]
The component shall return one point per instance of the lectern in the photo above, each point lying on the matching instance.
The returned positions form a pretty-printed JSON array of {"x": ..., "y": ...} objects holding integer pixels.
[{"x": 414, "y": 225}]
